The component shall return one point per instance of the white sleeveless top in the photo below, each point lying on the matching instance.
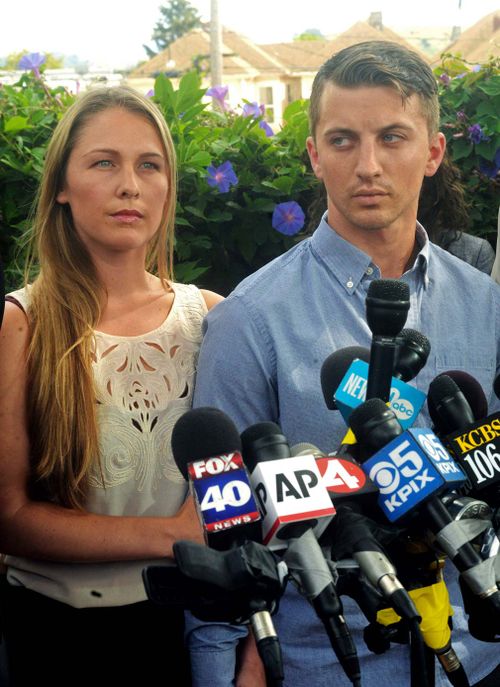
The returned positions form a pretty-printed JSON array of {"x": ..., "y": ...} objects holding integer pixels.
[{"x": 143, "y": 385}]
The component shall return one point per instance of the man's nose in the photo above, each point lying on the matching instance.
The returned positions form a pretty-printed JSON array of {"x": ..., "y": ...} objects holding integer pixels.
[{"x": 368, "y": 162}]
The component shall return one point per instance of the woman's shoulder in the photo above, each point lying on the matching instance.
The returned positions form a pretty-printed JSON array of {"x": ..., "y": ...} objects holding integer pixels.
[
  {"x": 189, "y": 294},
  {"x": 20, "y": 297}
]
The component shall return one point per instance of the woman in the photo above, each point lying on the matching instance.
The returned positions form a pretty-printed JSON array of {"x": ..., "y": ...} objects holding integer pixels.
[{"x": 97, "y": 362}]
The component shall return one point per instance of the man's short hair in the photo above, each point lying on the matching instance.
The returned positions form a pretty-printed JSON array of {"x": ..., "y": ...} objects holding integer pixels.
[{"x": 378, "y": 63}]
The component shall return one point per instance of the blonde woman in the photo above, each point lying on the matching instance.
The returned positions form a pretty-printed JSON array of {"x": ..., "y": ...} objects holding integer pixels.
[{"x": 97, "y": 362}]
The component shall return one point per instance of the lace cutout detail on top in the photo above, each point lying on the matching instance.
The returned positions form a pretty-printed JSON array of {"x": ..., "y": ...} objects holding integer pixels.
[{"x": 143, "y": 385}]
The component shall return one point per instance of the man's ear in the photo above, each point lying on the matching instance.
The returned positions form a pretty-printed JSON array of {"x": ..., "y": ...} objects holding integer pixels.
[
  {"x": 314, "y": 157},
  {"x": 437, "y": 147}
]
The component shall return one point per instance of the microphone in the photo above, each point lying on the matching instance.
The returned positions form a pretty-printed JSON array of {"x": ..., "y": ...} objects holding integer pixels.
[
  {"x": 207, "y": 450},
  {"x": 411, "y": 355},
  {"x": 289, "y": 491},
  {"x": 411, "y": 468},
  {"x": 496, "y": 386},
  {"x": 387, "y": 305},
  {"x": 293, "y": 501},
  {"x": 353, "y": 534},
  {"x": 472, "y": 438},
  {"x": 335, "y": 367}
]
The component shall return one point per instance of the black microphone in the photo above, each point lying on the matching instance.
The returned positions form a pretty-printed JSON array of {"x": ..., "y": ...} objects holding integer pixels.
[
  {"x": 387, "y": 305},
  {"x": 411, "y": 469},
  {"x": 459, "y": 416},
  {"x": 496, "y": 386},
  {"x": 411, "y": 355},
  {"x": 289, "y": 484},
  {"x": 334, "y": 368},
  {"x": 207, "y": 450}
]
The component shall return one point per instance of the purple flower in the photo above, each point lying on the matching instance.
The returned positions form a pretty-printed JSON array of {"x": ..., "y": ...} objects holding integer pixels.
[
  {"x": 222, "y": 177},
  {"x": 288, "y": 218},
  {"x": 219, "y": 93},
  {"x": 265, "y": 126},
  {"x": 445, "y": 79},
  {"x": 253, "y": 110},
  {"x": 490, "y": 169},
  {"x": 476, "y": 68},
  {"x": 150, "y": 93},
  {"x": 476, "y": 134},
  {"x": 32, "y": 61},
  {"x": 461, "y": 115}
]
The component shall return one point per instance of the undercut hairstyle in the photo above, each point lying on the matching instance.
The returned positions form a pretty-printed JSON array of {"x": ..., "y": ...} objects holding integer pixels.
[
  {"x": 378, "y": 63},
  {"x": 65, "y": 305}
]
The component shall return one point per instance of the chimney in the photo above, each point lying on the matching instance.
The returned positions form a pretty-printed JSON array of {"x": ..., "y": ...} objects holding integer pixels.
[
  {"x": 375, "y": 20},
  {"x": 455, "y": 33}
]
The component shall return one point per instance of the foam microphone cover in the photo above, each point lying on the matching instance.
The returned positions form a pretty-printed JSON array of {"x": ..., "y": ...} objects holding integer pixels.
[
  {"x": 263, "y": 441},
  {"x": 414, "y": 349},
  {"x": 463, "y": 386},
  {"x": 387, "y": 305},
  {"x": 203, "y": 433},
  {"x": 334, "y": 368}
]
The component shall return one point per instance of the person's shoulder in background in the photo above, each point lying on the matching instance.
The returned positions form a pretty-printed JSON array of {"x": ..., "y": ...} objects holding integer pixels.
[
  {"x": 495, "y": 272},
  {"x": 472, "y": 249}
]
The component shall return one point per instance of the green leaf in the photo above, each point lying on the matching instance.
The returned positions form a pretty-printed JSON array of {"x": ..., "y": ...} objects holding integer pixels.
[
  {"x": 491, "y": 87},
  {"x": 460, "y": 148},
  {"x": 194, "y": 211},
  {"x": 188, "y": 272},
  {"x": 16, "y": 123}
]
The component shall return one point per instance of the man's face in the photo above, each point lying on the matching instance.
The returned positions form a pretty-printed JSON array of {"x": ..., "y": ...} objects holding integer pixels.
[{"x": 372, "y": 151}]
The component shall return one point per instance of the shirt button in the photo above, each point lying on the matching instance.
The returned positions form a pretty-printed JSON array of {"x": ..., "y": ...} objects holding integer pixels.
[
  {"x": 350, "y": 284},
  {"x": 369, "y": 270}
]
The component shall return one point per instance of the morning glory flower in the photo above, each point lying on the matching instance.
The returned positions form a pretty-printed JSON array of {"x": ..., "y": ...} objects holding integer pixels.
[
  {"x": 265, "y": 126},
  {"x": 150, "y": 93},
  {"x": 490, "y": 169},
  {"x": 32, "y": 61},
  {"x": 222, "y": 177},
  {"x": 288, "y": 218},
  {"x": 476, "y": 134},
  {"x": 219, "y": 93},
  {"x": 253, "y": 110}
]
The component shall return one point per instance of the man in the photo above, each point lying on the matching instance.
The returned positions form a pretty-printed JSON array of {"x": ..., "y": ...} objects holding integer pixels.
[{"x": 374, "y": 118}]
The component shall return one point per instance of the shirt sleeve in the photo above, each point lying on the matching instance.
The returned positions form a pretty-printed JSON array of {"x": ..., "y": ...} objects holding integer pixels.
[
  {"x": 236, "y": 367},
  {"x": 235, "y": 374}
]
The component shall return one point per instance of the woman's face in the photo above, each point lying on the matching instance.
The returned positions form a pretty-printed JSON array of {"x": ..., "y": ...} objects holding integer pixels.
[{"x": 116, "y": 183}]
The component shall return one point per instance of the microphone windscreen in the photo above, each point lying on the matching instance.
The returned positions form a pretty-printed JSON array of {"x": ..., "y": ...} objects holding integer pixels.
[
  {"x": 263, "y": 441},
  {"x": 334, "y": 368},
  {"x": 451, "y": 381},
  {"x": 203, "y": 433},
  {"x": 387, "y": 305},
  {"x": 496, "y": 386}
]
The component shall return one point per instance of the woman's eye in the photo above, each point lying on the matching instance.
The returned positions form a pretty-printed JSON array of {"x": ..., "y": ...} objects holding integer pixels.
[
  {"x": 103, "y": 163},
  {"x": 150, "y": 165}
]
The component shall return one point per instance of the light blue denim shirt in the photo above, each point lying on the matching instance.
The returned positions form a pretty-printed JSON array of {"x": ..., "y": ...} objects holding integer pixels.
[{"x": 261, "y": 359}]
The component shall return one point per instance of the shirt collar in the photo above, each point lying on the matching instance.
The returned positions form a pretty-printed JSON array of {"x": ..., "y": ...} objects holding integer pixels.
[{"x": 349, "y": 265}]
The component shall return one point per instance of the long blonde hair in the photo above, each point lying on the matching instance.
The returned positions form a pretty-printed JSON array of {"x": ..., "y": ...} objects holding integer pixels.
[{"x": 65, "y": 306}]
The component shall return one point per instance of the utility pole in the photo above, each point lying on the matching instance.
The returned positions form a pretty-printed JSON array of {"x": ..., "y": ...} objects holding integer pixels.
[{"x": 215, "y": 44}]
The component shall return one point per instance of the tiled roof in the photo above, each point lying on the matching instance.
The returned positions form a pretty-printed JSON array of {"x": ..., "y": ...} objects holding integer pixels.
[{"x": 480, "y": 41}]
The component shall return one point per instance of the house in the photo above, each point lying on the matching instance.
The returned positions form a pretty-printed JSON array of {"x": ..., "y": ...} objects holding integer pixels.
[
  {"x": 251, "y": 72},
  {"x": 274, "y": 74},
  {"x": 479, "y": 42}
]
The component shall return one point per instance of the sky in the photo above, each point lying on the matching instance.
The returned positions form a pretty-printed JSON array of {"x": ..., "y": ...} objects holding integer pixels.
[{"x": 110, "y": 33}]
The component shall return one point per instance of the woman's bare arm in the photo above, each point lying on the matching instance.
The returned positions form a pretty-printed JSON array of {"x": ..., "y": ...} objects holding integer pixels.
[{"x": 47, "y": 531}]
